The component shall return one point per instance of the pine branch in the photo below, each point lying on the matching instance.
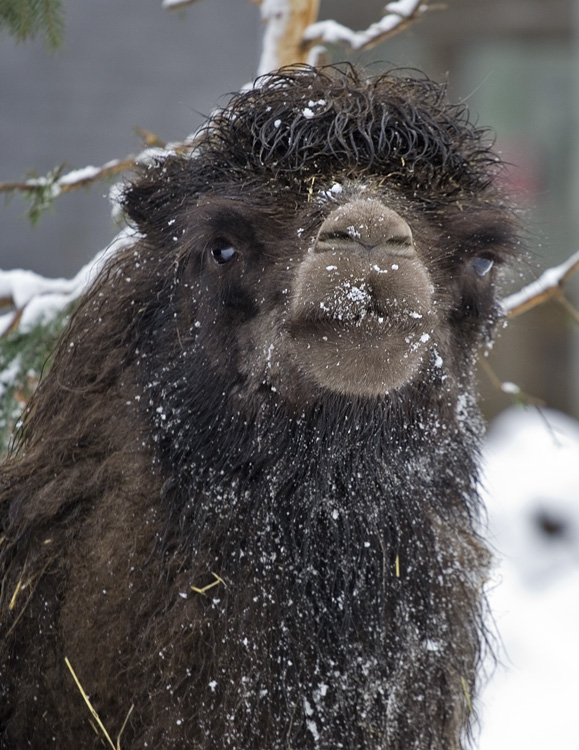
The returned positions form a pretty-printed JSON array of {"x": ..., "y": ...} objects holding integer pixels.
[{"x": 25, "y": 19}]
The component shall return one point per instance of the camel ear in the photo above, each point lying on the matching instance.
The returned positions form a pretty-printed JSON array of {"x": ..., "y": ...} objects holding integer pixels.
[{"x": 153, "y": 200}]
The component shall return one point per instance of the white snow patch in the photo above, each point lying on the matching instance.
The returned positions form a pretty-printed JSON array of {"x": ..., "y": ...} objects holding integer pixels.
[
  {"x": 336, "y": 189},
  {"x": 511, "y": 388},
  {"x": 9, "y": 373},
  {"x": 42, "y": 299},
  {"x": 80, "y": 175},
  {"x": 313, "y": 729},
  {"x": 173, "y": 4},
  {"x": 532, "y": 487},
  {"x": 331, "y": 32},
  {"x": 549, "y": 278}
]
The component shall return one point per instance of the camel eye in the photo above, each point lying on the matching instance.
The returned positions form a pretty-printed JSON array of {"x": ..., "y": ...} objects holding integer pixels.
[
  {"x": 481, "y": 266},
  {"x": 223, "y": 255}
]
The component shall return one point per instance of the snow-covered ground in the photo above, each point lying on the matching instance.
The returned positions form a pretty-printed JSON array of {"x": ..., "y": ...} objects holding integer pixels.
[{"x": 532, "y": 477}]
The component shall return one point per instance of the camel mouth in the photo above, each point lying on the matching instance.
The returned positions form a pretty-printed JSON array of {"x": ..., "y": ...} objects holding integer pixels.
[
  {"x": 363, "y": 324},
  {"x": 355, "y": 306}
]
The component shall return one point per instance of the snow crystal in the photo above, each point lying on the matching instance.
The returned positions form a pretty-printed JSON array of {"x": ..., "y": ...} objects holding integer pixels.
[
  {"x": 359, "y": 294},
  {"x": 336, "y": 189},
  {"x": 312, "y": 727}
]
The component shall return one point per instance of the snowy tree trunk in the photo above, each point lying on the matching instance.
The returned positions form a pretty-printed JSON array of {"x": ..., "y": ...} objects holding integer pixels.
[{"x": 283, "y": 40}]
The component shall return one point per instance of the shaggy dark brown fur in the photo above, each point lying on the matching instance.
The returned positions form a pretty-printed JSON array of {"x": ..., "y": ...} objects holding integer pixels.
[{"x": 244, "y": 504}]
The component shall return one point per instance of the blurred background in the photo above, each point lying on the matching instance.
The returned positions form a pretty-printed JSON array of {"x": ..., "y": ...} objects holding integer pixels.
[{"x": 129, "y": 63}]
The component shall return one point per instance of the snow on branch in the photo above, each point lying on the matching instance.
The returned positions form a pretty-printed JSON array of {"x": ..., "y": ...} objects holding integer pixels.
[
  {"x": 547, "y": 286},
  {"x": 58, "y": 183},
  {"x": 176, "y": 4},
  {"x": 43, "y": 191},
  {"x": 32, "y": 299},
  {"x": 285, "y": 24},
  {"x": 398, "y": 15}
]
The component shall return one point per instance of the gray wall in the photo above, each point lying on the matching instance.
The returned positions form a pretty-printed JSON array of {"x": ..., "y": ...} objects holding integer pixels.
[{"x": 125, "y": 63}]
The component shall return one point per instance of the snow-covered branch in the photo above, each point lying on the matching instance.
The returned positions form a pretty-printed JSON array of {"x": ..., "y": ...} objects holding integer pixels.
[
  {"x": 42, "y": 191},
  {"x": 398, "y": 15},
  {"x": 56, "y": 182},
  {"x": 285, "y": 24},
  {"x": 176, "y": 4},
  {"x": 31, "y": 299},
  {"x": 547, "y": 286}
]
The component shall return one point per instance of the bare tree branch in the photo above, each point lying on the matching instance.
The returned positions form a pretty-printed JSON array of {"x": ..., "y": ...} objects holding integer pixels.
[
  {"x": 400, "y": 14},
  {"x": 61, "y": 183},
  {"x": 510, "y": 389},
  {"x": 42, "y": 191},
  {"x": 547, "y": 286}
]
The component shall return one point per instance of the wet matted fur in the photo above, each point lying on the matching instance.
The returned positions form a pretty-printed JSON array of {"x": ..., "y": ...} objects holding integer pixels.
[{"x": 222, "y": 511}]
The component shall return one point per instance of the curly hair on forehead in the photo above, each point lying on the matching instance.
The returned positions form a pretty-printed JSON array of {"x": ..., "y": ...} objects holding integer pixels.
[{"x": 305, "y": 121}]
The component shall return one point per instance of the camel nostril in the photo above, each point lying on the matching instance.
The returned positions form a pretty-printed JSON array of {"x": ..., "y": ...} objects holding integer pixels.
[{"x": 366, "y": 223}]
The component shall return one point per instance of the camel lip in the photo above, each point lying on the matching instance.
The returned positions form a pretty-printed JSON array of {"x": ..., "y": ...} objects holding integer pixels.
[{"x": 365, "y": 321}]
